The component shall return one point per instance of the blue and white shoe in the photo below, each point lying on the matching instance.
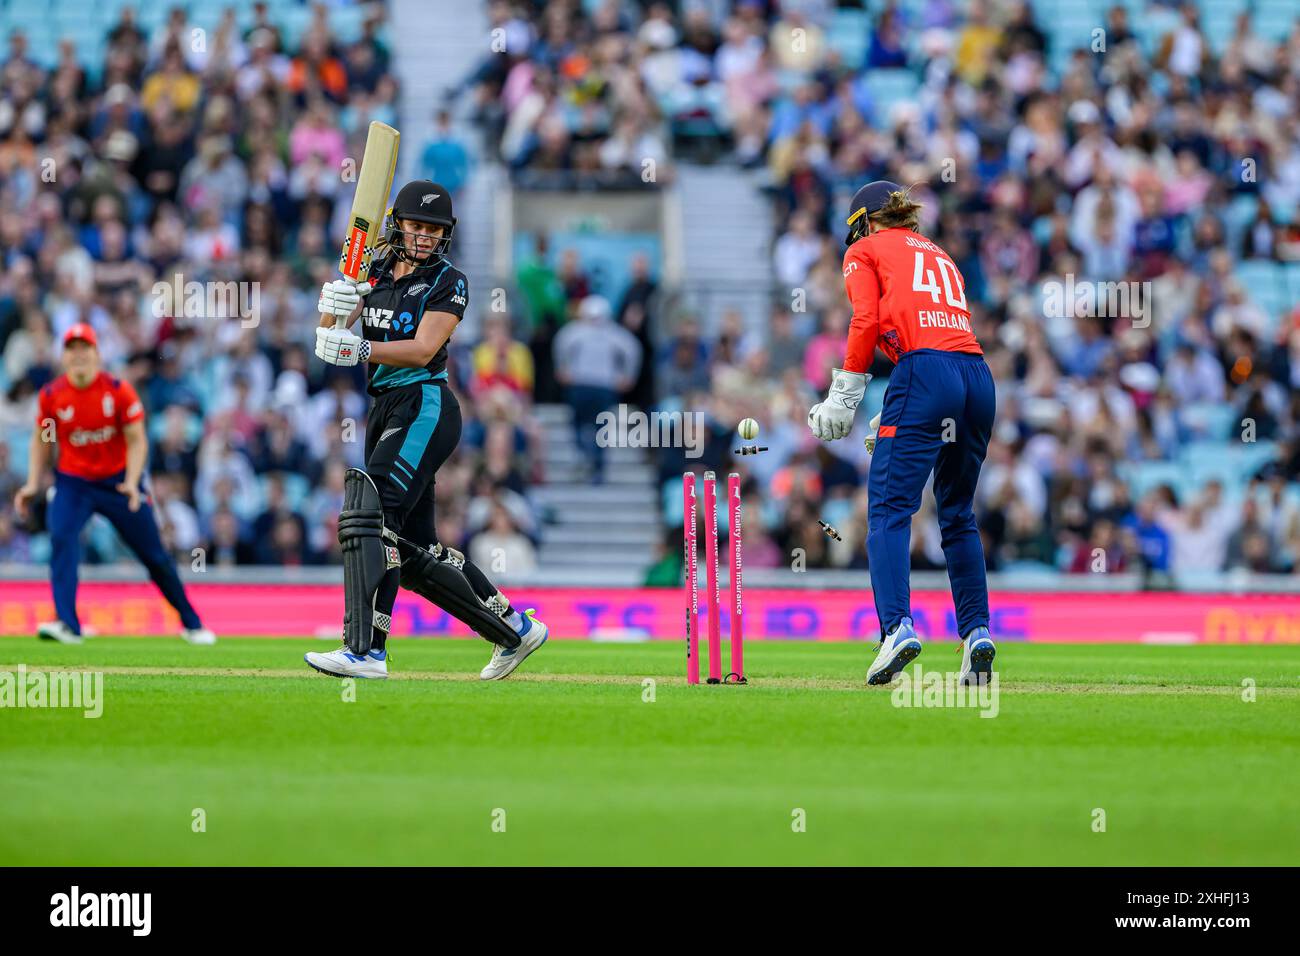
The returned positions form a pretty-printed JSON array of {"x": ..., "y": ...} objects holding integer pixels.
[
  {"x": 897, "y": 650},
  {"x": 532, "y": 635},
  {"x": 343, "y": 663},
  {"x": 57, "y": 631},
  {"x": 198, "y": 635},
  {"x": 977, "y": 655}
]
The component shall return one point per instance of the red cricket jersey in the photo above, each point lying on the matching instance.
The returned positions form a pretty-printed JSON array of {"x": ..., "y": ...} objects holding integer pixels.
[
  {"x": 88, "y": 423},
  {"x": 906, "y": 294}
]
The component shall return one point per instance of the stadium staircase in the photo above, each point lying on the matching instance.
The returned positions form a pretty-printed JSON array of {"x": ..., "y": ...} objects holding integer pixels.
[
  {"x": 727, "y": 237},
  {"x": 592, "y": 532},
  {"x": 609, "y": 532}
]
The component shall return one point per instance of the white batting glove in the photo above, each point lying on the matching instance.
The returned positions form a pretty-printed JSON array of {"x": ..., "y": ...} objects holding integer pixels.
[
  {"x": 870, "y": 440},
  {"x": 833, "y": 418},
  {"x": 340, "y": 297},
  {"x": 341, "y": 347}
]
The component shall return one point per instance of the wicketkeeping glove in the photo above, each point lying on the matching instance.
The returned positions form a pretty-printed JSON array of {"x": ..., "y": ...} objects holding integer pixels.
[
  {"x": 340, "y": 297},
  {"x": 833, "y": 418}
]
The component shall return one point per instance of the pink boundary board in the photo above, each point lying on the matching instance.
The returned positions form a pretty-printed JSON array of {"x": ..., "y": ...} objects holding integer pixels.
[{"x": 657, "y": 613}]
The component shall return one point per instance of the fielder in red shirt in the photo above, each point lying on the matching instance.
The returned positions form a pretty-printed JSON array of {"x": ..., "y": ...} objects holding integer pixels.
[
  {"x": 96, "y": 422},
  {"x": 909, "y": 300}
]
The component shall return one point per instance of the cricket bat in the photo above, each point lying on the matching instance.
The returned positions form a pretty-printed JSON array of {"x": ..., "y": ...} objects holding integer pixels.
[{"x": 366, "y": 221}]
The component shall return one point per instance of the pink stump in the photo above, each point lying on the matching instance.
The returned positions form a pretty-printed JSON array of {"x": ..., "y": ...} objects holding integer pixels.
[
  {"x": 711, "y": 570},
  {"x": 690, "y": 519},
  {"x": 735, "y": 540}
]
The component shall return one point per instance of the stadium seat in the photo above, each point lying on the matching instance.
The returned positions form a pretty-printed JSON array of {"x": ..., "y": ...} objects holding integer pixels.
[
  {"x": 1241, "y": 209},
  {"x": 293, "y": 23},
  {"x": 206, "y": 18},
  {"x": 1263, "y": 282},
  {"x": 1274, "y": 19},
  {"x": 346, "y": 22},
  {"x": 19, "y": 445},
  {"x": 1240, "y": 214},
  {"x": 151, "y": 15},
  {"x": 849, "y": 35},
  {"x": 888, "y": 88},
  {"x": 1150, "y": 24},
  {"x": 296, "y": 490},
  {"x": 1144, "y": 476},
  {"x": 875, "y": 396},
  {"x": 88, "y": 12},
  {"x": 1292, "y": 273},
  {"x": 1209, "y": 419},
  {"x": 838, "y": 512}
]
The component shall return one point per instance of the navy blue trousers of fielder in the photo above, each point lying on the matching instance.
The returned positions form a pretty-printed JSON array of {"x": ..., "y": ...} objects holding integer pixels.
[
  {"x": 75, "y": 500},
  {"x": 932, "y": 395}
]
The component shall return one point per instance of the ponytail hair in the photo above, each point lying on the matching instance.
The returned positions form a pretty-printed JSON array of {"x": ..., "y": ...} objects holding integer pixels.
[{"x": 899, "y": 210}]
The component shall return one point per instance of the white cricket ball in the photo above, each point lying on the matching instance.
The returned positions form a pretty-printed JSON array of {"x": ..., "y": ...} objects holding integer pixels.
[{"x": 748, "y": 429}]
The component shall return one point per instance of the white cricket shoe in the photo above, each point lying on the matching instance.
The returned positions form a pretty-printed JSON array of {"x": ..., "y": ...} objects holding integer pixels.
[
  {"x": 504, "y": 662},
  {"x": 898, "y": 648},
  {"x": 198, "y": 635},
  {"x": 343, "y": 663},
  {"x": 977, "y": 653},
  {"x": 57, "y": 631}
]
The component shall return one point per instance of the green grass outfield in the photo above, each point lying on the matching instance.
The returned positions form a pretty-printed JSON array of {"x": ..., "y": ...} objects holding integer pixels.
[{"x": 588, "y": 772}]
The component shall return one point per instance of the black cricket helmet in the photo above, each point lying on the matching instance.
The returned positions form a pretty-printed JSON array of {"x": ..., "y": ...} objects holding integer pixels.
[
  {"x": 420, "y": 200},
  {"x": 870, "y": 198}
]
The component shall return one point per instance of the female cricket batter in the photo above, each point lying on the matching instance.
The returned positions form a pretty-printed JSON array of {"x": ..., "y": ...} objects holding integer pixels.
[
  {"x": 97, "y": 422},
  {"x": 909, "y": 298},
  {"x": 414, "y": 300}
]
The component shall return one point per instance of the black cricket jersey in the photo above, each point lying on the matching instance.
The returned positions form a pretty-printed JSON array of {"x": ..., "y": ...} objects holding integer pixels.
[{"x": 393, "y": 309}]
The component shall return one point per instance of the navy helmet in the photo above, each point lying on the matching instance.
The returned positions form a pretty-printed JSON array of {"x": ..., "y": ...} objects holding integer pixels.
[
  {"x": 422, "y": 201},
  {"x": 870, "y": 198}
]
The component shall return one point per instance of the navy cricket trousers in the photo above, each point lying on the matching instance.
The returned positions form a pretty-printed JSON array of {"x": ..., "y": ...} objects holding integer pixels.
[
  {"x": 937, "y": 417},
  {"x": 75, "y": 500}
]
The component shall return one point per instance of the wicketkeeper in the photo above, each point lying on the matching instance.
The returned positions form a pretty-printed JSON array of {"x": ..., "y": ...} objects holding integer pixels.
[
  {"x": 909, "y": 299},
  {"x": 412, "y": 304}
]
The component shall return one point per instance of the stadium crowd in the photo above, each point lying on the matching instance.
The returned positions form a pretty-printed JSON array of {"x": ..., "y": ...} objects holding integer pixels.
[
  {"x": 132, "y": 196},
  {"x": 1129, "y": 144},
  {"x": 1164, "y": 436}
]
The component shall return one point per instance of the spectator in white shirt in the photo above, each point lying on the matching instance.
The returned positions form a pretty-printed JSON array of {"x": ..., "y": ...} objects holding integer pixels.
[
  {"x": 596, "y": 360},
  {"x": 796, "y": 251}
]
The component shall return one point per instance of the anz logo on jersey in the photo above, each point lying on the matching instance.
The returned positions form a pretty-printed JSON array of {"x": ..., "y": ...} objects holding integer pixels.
[
  {"x": 458, "y": 296},
  {"x": 377, "y": 318}
]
